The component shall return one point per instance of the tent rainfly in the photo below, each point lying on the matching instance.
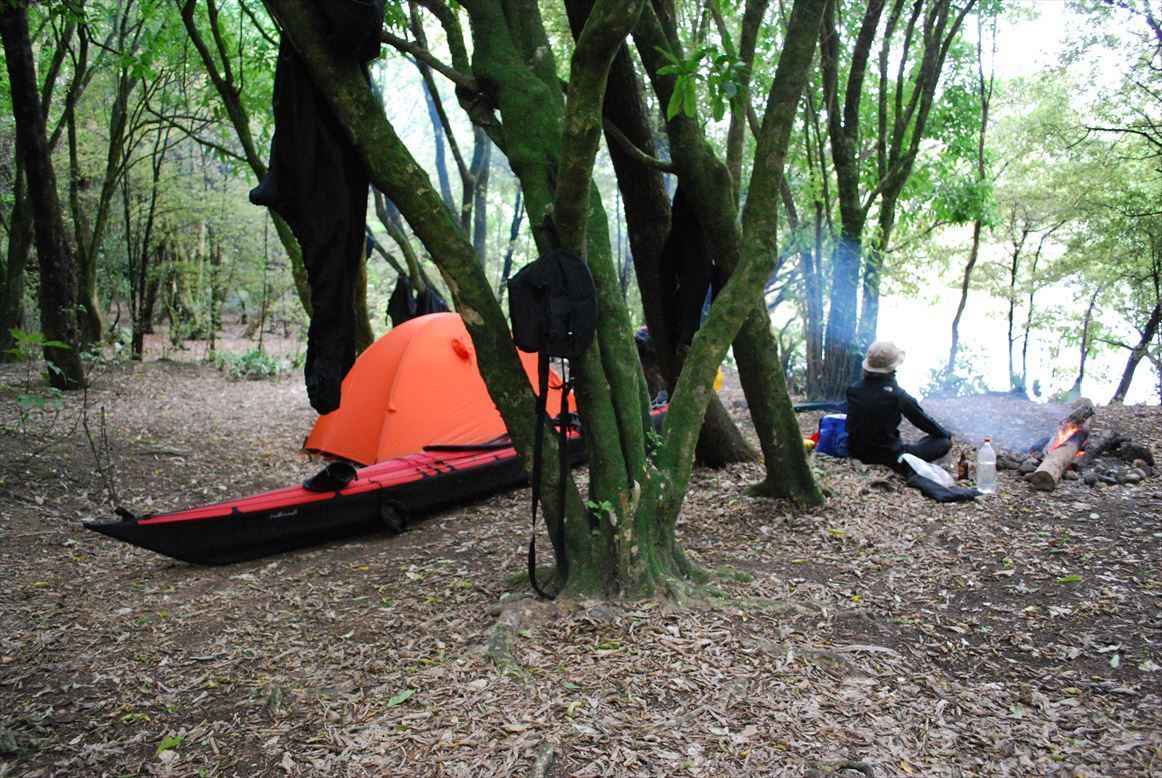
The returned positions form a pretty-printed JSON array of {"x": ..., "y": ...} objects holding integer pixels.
[{"x": 419, "y": 385}]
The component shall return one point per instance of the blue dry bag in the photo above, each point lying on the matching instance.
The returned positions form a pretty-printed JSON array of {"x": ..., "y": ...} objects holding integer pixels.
[{"x": 833, "y": 435}]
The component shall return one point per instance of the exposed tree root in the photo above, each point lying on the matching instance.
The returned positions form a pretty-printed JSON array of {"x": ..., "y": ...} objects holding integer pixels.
[
  {"x": 545, "y": 763},
  {"x": 848, "y": 768},
  {"x": 498, "y": 650},
  {"x": 773, "y": 491},
  {"x": 515, "y": 614},
  {"x": 546, "y": 577},
  {"x": 689, "y": 568},
  {"x": 728, "y": 573}
]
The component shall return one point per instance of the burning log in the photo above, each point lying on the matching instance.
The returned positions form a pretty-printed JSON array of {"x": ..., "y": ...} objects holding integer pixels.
[
  {"x": 1082, "y": 410},
  {"x": 1098, "y": 443},
  {"x": 1057, "y": 460},
  {"x": 1062, "y": 449}
]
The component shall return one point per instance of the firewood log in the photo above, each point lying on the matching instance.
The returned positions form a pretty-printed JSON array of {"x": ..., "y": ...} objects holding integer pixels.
[
  {"x": 1048, "y": 474},
  {"x": 1079, "y": 412},
  {"x": 1098, "y": 444}
]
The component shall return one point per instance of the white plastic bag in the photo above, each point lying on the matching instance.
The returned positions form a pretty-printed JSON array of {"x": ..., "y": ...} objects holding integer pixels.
[{"x": 927, "y": 469}]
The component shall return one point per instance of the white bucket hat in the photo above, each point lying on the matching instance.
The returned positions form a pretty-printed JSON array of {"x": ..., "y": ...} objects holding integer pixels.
[{"x": 883, "y": 356}]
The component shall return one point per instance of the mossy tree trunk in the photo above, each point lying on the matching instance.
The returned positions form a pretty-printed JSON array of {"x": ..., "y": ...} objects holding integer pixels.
[
  {"x": 647, "y": 215},
  {"x": 19, "y": 248},
  {"x": 638, "y": 481},
  {"x": 90, "y": 316},
  {"x": 755, "y": 347}
]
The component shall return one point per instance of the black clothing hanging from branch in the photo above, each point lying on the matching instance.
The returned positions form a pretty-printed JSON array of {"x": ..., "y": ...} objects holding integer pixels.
[
  {"x": 405, "y": 303},
  {"x": 687, "y": 271},
  {"x": 401, "y": 306},
  {"x": 318, "y": 183}
]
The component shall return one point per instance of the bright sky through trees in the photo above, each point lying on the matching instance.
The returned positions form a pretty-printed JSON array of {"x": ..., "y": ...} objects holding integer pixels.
[{"x": 1032, "y": 36}]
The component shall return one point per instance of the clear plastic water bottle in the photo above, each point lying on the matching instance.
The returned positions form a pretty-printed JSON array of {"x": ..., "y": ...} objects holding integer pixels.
[{"x": 986, "y": 469}]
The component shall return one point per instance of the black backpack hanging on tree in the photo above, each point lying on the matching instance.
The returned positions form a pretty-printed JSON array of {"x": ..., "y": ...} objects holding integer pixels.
[{"x": 553, "y": 305}]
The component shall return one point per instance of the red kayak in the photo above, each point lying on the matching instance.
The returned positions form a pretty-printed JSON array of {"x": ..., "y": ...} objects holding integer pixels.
[
  {"x": 379, "y": 497},
  {"x": 383, "y": 496}
]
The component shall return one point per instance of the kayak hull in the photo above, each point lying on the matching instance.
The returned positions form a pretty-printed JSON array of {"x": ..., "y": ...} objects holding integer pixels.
[{"x": 381, "y": 497}]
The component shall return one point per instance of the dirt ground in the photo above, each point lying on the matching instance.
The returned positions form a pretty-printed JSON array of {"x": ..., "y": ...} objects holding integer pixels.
[{"x": 884, "y": 634}]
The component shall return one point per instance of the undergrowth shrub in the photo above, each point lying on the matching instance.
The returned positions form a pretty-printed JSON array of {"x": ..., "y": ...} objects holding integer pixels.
[
  {"x": 37, "y": 404},
  {"x": 254, "y": 365},
  {"x": 966, "y": 379}
]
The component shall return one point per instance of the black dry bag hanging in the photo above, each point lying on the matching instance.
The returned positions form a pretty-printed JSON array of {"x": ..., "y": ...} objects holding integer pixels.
[{"x": 553, "y": 305}]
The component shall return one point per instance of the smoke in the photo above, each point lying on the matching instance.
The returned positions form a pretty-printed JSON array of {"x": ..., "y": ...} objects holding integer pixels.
[{"x": 1013, "y": 422}]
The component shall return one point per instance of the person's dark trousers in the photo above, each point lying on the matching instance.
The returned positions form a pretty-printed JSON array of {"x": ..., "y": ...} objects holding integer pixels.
[{"x": 929, "y": 448}]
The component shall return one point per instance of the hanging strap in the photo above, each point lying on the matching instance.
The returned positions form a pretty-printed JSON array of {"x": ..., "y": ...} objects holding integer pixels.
[
  {"x": 538, "y": 441},
  {"x": 557, "y": 538},
  {"x": 563, "y": 420}
]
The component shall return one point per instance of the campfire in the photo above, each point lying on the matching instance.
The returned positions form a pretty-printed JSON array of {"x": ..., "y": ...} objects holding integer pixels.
[
  {"x": 1078, "y": 449},
  {"x": 1066, "y": 444},
  {"x": 1065, "y": 435}
]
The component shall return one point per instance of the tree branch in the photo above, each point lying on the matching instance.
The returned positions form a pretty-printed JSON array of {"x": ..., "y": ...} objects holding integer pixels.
[
  {"x": 1150, "y": 138},
  {"x": 246, "y": 9},
  {"x": 628, "y": 147},
  {"x": 462, "y": 80},
  {"x": 437, "y": 103}
]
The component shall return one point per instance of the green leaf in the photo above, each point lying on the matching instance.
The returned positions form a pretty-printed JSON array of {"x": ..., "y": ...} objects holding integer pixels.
[
  {"x": 170, "y": 743},
  {"x": 401, "y": 698},
  {"x": 1069, "y": 579},
  {"x": 719, "y": 108},
  {"x": 665, "y": 53},
  {"x": 690, "y": 101},
  {"x": 674, "y": 105}
]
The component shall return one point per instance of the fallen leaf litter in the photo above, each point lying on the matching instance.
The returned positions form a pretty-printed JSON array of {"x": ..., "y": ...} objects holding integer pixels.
[{"x": 1015, "y": 635}]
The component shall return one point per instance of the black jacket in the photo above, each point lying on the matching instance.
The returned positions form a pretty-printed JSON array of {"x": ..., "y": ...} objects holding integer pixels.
[
  {"x": 318, "y": 183},
  {"x": 875, "y": 406}
]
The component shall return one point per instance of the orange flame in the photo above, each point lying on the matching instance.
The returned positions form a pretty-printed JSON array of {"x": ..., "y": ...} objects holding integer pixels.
[{"x": 1063, "y": 434}]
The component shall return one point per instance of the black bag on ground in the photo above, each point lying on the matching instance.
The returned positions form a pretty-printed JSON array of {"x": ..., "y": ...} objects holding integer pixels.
[{"x": 553, "y": 305}]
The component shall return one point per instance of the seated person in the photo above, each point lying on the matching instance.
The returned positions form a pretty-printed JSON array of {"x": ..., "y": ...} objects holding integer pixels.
[{"x": 875, "y": 406}]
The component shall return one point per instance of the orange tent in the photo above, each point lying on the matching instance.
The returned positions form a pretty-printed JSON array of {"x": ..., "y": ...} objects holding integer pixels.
[{"x": 416, "y": 386}]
